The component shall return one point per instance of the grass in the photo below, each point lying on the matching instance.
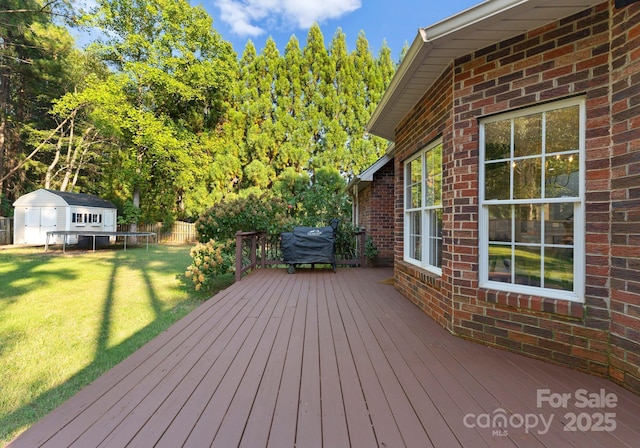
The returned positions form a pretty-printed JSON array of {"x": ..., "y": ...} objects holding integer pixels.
[{"x": 67, "y": 318}]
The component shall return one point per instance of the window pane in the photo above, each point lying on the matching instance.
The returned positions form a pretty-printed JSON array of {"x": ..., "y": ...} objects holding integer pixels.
[
  {"x": 435, "y": 237},
  {"x": 528, "y": 224},
  {"x": 499, "y": 223},
  {"x": 415, "y": 239},
  {"x": 558, "y": 227},
  {"x": 500, "y": 263},
  {"x": 528, "y": 262},
  {"x": 415, "y": 251},
  {"x": 416, "y": 196},
  {"x": 527, "y": 135},
  {"x": 562, "y": 129},
  {"x": 497, "y": 138},
  {"x": 496, "y": 185},
  {"x": 558, "y": 269},
  {"x": 414, "y": 186},
  {"x": 416, "y": 170},
  {"x": 527, "y": 178},
  {"x": 434, "y": 177},
  {"x": 562, "y": 177}
]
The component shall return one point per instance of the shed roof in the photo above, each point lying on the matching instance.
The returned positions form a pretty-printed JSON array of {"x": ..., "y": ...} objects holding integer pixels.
[
  {"x": 77, "y": 199},
  {"x": 436, "y": 46},
  {"x": 83, "y": 199}
]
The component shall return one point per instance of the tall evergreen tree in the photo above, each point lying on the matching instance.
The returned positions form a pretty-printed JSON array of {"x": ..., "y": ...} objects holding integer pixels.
[
  {"x": 314, "y": 74},
  {"x": 36, "y": 66},
  {"x": 291, "y": 111}
]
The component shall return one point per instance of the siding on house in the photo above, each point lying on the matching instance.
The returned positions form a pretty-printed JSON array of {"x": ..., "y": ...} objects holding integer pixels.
[{"x": 595, "y": 54}]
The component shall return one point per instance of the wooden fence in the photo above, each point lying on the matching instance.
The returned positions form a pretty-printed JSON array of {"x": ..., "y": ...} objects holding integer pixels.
[
  {"x": 6, "y": 231},
  {"x": 180, "y": 232}
]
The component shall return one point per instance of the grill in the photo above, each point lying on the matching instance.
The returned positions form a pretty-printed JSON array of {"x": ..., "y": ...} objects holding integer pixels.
[{"x": 310, "y": 245}]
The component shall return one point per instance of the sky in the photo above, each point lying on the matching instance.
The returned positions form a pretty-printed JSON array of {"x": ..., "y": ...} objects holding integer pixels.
[{"x": 396, "y": 21}]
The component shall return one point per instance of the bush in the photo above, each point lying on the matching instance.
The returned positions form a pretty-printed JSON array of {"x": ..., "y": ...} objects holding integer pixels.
[
  {"x": 260, "y": 213},
  {"x": 209, "y": 260}
]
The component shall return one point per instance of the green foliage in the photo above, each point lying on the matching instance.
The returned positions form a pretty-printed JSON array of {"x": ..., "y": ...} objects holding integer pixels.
[
  {"x": 5, "y": 206},
  {"x": 130, "y": 214},
  {"x": 39, "y": 63},
  {"x": 160, "y": 108},
  {"x": 177, "y": 74},
  {"x": 260, "y": 213},
  {"x": 210, "y": 260},
  {"x": 370, "y": 249}
]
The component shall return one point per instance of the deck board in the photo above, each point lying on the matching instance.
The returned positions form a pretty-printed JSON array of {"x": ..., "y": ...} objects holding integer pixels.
[{"x": 318, "y": 359}]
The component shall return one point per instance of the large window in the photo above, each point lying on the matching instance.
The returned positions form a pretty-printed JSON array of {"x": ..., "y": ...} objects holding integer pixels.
[
  {"x": 531, "y": 201},
  {"x": 423, "y": 208}
]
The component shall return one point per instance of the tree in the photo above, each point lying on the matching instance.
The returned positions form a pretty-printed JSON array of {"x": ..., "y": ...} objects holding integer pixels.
[
  {"x": 178, "y": 73},
  {"x": 36, "y": 65},
  {"x": 291, "y": 111}
]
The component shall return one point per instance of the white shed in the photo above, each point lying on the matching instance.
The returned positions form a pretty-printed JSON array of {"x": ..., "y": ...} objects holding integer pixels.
[{"x": 41, "y": 211}]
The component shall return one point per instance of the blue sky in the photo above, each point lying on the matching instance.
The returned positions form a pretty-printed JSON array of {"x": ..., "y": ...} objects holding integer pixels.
[{"x": 396, "y": 21}]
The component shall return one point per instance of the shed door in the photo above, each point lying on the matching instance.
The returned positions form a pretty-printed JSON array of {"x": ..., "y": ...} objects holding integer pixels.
[
  {"x": 109, "y": 221},
  {"x": 37, "y": 222}
]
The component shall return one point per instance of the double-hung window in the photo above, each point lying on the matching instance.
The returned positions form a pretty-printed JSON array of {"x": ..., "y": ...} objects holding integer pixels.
[
  {"x": 532, "y": 201},
  {"x": 423, "y": 209}
]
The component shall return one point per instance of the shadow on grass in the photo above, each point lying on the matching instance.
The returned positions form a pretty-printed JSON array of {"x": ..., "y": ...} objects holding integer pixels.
[
  {"x": 19, "y": 273},
  {"x": 106, "y": 321},
  {"x": 105, "y": 357}
]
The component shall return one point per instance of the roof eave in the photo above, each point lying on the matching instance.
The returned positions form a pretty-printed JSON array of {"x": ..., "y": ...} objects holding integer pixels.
[{"x": 434, "y": 39}]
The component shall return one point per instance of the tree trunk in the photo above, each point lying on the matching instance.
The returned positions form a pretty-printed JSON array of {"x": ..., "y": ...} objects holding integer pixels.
[
  {"x": 133, "y": 227},
  {"x": 70, "y": 150},
  {"x": 80, "y": 165},
  {"x": 3, "y": 125},
  {"x": 49, "y": 175}
]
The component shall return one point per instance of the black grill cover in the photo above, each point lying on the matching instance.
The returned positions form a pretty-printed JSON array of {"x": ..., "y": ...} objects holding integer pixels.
[{"x": 309, "y": 245}]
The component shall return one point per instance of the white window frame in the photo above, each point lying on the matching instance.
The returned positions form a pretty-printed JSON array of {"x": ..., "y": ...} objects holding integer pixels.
[
  {"x": 579, "y": 220},
  {"x": 425, "y": 212},
  {"x": 80, "y": 221}
]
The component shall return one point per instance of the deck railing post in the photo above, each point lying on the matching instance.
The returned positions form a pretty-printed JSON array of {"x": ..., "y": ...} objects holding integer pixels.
[
  {"x": 363, "y": 252},
  {"x": 254, "y": 246},
  {"x": 238, "y": 255},
  {"x": 263, "y": 252}
]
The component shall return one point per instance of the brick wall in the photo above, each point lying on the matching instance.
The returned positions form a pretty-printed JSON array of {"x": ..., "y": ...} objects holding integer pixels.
[
  {"x": 625, "y": 197},
  {"x": 579, "y": 55},
  {"x": 364, "y": 207},
  {"x": 381, "y": 225},
  {"x": 375, "y": 201},
  {"x": 431, "y": 119}
]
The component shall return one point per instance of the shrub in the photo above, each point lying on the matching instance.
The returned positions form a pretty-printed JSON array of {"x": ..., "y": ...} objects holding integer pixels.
[
  {"x": 260, "y": 213},
  {"x": 210, "y": 260}
]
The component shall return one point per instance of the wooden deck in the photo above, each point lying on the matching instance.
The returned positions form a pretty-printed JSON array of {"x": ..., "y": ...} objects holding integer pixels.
[{"x": 318, "y": 359}]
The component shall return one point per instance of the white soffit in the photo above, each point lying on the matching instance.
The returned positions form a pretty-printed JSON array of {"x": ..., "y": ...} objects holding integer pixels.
[{"x": 436, "y": 46}]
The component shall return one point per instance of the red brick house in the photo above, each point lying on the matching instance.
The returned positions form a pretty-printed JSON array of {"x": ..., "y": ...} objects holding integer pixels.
[
  {"x": 516, "y": 164},
  {"x": 373, "y": 196}
]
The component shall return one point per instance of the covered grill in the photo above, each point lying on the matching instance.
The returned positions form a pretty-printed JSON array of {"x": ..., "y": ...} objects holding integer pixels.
[{"x": 310, "y": 245}]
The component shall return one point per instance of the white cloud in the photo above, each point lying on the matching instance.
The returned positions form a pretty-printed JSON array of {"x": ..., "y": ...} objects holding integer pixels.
[{"x": 245, "y": 16}]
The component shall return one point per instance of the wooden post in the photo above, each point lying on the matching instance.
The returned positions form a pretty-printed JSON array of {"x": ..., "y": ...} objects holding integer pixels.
[
  {"x": 254, "y": 246},
  {"x": 238, "y": 255},
  {"x": 363, "y": 252},
  {"x": 263, "y": 252}
]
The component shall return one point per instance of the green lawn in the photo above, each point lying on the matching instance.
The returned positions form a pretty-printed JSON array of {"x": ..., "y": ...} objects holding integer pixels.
[{"x": 67, "y": 318}]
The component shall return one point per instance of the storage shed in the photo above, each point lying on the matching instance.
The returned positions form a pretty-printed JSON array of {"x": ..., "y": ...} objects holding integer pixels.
[{"x": 41, "y": 211}]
